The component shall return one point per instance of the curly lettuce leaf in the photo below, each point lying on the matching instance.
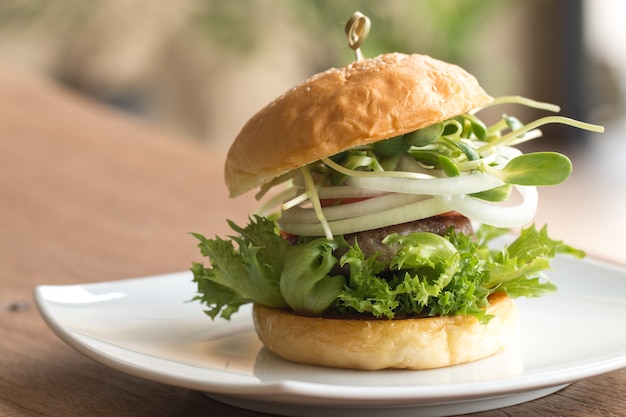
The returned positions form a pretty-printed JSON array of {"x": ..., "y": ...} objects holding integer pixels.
[
  {"x": 518, "y": 268},
  {"x": 466, "y": 293},
  {"x": 366, "y": 292},
  {"x": 429, "y": 275},
  {"x": 305, "y": 282},
  {"x": 249, "y": 273}
]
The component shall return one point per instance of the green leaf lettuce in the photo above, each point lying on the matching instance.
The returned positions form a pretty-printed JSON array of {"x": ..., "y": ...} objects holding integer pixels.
[{"x": 429, "y": 275}]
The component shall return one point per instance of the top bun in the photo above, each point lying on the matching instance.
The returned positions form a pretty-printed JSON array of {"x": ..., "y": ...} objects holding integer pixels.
[{"x": 363, "y": 102}]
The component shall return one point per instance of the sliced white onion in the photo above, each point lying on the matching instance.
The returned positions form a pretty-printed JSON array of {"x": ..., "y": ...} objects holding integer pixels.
[
  {"x": 463, "y": 184},
  {"x": 347, "y": 191},
  {"x": 402, "y": 214},
  {"x": 493, "y": 214},
  {"x": 344, "y": 211}
]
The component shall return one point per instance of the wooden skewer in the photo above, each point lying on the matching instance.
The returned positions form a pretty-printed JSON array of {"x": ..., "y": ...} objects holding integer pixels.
[{"x": 357, "y": 29}]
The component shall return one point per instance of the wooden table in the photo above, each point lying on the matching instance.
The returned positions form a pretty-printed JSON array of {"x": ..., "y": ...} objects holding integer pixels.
[{"x": 89, "y": 195}]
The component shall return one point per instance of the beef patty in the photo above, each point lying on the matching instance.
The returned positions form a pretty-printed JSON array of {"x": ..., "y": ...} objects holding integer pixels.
[{"x": 370, "y": 241}]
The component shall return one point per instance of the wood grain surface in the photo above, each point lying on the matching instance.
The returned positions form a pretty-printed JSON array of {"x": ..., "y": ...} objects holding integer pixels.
[{"x": 86, "y": 195}]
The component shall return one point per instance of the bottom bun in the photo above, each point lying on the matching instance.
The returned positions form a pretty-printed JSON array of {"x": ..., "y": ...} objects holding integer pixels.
[{"x": 423, "y": 343}]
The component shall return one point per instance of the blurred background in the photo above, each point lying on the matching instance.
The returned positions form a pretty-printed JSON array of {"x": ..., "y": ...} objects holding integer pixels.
[{"x": 203, "y": 67}]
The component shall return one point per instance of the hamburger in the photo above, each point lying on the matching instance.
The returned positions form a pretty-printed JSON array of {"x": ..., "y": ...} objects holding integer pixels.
[{"x": 382, "y": 193}]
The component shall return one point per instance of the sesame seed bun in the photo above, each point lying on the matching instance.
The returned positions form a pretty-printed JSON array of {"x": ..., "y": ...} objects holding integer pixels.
[{"x": 363, "y": 102}]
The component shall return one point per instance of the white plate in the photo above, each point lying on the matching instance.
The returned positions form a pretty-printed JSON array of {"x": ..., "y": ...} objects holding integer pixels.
[{"x": 147, "y": 327}]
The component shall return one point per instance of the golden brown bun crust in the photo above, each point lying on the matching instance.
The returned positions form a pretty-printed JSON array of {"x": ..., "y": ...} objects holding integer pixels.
[
  {"x": 338, "y": 109},
  {"x": 379, "y": 344}
]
